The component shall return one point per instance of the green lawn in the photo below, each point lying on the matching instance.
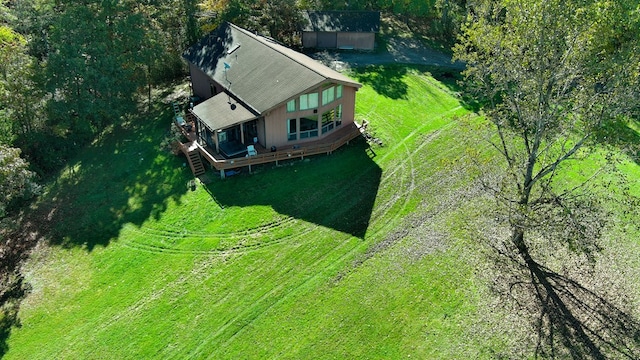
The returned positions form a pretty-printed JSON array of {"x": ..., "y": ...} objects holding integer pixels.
[{"x": 360, "y": 254}]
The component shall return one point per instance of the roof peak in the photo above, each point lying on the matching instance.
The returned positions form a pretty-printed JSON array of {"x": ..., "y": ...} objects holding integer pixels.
[
  {"x": 291, "y": 54},
  {"x": 257, "y": 70}
]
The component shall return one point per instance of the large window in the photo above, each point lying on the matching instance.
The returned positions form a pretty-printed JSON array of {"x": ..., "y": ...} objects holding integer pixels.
[
  {"x": 331, "y": 119},
  {"x": 292, "y": 129},
  {"x": 309, "y": 101},
  {"x": 338, "y": 91},
  {"x": 328, "y": 121},
  {"x": 308, "y": 127}
]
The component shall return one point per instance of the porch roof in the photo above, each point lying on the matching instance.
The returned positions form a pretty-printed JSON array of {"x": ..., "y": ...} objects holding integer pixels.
[{"x": 222, "y": 111}]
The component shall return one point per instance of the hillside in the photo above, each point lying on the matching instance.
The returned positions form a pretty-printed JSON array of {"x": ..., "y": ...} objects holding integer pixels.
[{"x": 371, "y": 252}]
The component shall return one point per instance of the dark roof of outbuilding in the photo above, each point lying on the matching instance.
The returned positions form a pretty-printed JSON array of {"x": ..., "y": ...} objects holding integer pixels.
[
  {"x": 258, "y": 71},
  {"x": 342, "y": 21}
]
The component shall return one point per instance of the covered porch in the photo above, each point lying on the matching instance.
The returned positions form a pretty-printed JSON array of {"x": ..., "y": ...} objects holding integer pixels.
[{"x": 225, "y": 126}]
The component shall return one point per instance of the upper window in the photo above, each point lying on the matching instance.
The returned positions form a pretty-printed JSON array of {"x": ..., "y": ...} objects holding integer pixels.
[
  {"x": 328, "y": 95},
  {"x": 309, "y": 101},
  {"x": 338, "y": 91},
  {"x": 291, "y": 106}
]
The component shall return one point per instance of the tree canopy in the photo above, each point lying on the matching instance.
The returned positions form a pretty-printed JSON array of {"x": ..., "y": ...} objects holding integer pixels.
[
  {"x": 556, "y": 78},
  {"x": 16, "y": 180}
]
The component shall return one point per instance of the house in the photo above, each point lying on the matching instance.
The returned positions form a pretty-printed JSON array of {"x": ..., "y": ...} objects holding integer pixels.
[
  {"x": 255, "y": 91},
  {"x": 340, "y": 29}
]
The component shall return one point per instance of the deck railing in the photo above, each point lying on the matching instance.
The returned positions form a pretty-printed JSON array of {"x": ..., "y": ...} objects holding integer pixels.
[{"x": 303, "y": 150}]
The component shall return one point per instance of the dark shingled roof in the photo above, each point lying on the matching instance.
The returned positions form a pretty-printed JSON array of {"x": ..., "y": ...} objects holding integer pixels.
[
  {"x": 342, "y": 21},
  {"x": 258, "y": 71}
]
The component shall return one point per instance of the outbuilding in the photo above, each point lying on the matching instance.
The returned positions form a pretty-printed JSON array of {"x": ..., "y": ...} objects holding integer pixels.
[{"x": 347, "y": 30}]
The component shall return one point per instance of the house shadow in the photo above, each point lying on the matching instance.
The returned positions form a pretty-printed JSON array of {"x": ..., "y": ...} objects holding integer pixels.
[{"x": 336, "y": 191}]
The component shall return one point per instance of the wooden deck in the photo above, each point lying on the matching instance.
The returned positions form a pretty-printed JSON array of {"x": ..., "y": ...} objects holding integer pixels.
[{"x": 326, "y": 145}]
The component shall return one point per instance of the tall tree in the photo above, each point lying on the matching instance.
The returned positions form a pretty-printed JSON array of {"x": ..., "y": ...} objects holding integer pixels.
[
  {"x": 556, "y": 76},
  {"x": 95, "y": 66},
  {"x": 16, "y": 180},
  {"x": 20, "y": 98},
  {"x": 279, "y": 19},
  {"x": 11, "y": 44},
  {"x": 172, "y": 27}
]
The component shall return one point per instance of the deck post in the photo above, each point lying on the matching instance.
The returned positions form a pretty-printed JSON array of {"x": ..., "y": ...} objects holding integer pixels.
[
  {"x": 249, "y": 168},
  {"x": 221, "y": 173}
]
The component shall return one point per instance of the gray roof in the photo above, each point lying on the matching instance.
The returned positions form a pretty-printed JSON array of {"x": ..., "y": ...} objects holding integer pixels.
[
  {"x": 342, "y": 21},
  {"x": 222, "y": 111},
  {"x": 258, "y": 71}
]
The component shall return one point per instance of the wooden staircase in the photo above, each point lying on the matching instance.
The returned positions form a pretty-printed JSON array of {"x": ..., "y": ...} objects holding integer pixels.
[{"x": 195, "y": 162}]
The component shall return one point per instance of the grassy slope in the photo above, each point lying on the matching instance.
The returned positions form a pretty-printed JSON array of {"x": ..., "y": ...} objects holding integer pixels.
[{"x": 285, "y": 263}]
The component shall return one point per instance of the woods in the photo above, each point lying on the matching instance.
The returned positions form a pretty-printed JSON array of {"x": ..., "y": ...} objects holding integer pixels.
[{"x": 72, "y": 69}]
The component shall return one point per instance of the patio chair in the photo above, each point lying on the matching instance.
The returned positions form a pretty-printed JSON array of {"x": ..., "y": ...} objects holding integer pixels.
[{"x": 251, "y": 150}]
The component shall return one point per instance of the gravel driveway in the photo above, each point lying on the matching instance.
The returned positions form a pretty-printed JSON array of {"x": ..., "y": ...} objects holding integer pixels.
[{"x": 399, "y": 51}]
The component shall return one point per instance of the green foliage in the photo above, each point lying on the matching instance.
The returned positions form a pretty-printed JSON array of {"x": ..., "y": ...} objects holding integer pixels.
[
  {"x": 16, "y": 181},
  {"x": 19, "y": 96},
  {"x": 554, "y": 76},
  {"x": 11, "y": 43},
  {"x": 33, "y": 20},
  {"x": 94, "y": 68},
  {"x": 68, "y": 70},
  {"x": 171, "y": 27},
  {"x": 279, "y": 19}
]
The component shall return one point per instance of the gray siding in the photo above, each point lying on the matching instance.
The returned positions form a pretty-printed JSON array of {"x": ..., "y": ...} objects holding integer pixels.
[
  {"x": 357, "y": 41},
  {"x": 330, "y": 40},
  {"x": 309, "y": 39},
  {"x": 200, "y": 82}
]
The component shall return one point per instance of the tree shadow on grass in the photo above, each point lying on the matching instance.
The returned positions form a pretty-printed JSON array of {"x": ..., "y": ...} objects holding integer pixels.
[
  {"x": 388, "y": 80},
  {"x": 623, "y": 136},
  {"x": 12, "y": 290},
  {"x": 123, "y": 177},
  {"x": 335, "y": 191},
  {"x": 570, "y": 320},
  {"x": 579, "y": 323}
]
